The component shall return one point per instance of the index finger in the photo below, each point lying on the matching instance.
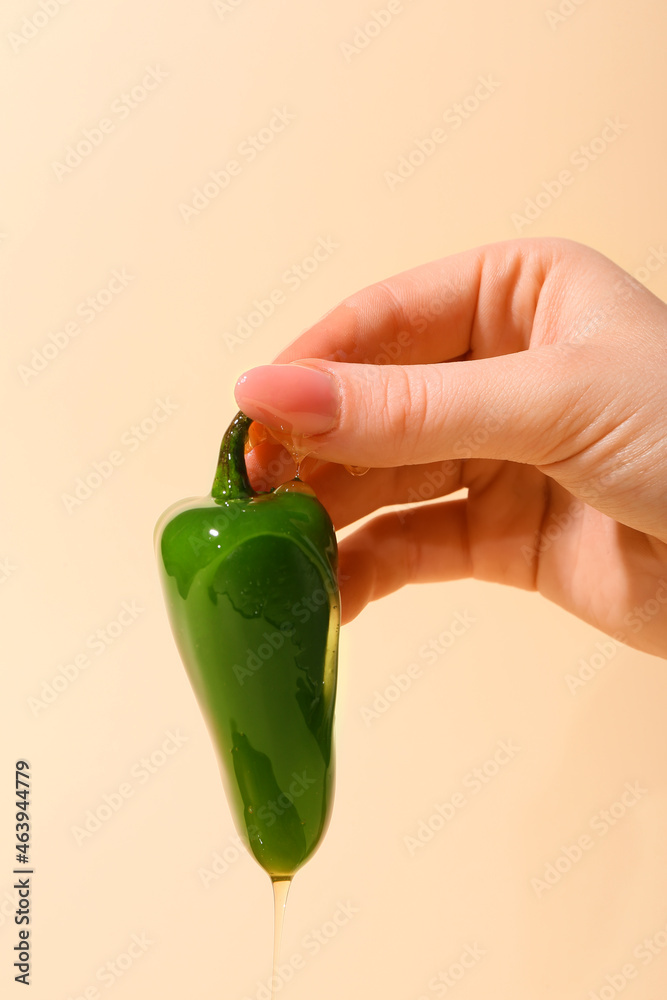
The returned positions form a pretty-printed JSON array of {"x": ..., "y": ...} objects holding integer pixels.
[{"x": 448, "y": 308}]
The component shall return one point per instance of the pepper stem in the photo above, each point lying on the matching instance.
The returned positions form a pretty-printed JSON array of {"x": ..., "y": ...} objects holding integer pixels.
[{"x": 231, "y": 477}]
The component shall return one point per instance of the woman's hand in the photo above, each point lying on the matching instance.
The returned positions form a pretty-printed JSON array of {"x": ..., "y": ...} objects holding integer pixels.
[{"x": 531, "y": 372}]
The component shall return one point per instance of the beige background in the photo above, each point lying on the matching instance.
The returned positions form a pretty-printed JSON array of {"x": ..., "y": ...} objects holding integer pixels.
[{"x": 219, "y": 71}]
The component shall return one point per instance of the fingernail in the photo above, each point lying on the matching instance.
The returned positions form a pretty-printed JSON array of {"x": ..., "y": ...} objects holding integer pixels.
[{"x": 291, "y": 397}]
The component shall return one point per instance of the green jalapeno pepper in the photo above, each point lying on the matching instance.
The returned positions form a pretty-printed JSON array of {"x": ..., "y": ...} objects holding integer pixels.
[{"x": 251, "y": 591}]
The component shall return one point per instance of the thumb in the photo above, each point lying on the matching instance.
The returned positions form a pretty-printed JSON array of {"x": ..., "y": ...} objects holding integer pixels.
[{"x": 535, "y": 406}]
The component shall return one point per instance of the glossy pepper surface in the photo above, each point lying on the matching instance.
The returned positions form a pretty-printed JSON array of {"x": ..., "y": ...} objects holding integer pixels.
[{"x": 251, "y": 591}]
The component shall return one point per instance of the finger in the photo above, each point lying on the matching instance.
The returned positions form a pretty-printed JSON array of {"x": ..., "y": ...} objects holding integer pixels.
[
  {"x": 492, "y": 535},
  {"x": 426, "y": 544},
  {"x": 536, "y": 407},
  {"x": 268, "y": 465},
  {"x": 383, "y": 415},
  {"x": 481, "y": 301},
  {"x": 348, "y": 497},
  {"x": 580, "y": 559},
  {"x": 270, "y": 460}
]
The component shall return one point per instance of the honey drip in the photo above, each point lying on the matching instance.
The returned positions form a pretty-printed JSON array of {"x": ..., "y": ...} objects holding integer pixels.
[
  {"x": 295, "y": 445},
  {"x": 280, "y": 890}
]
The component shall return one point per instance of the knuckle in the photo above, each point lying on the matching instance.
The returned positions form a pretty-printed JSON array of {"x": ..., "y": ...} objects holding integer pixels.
[{"x": 404, "y": 408}]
